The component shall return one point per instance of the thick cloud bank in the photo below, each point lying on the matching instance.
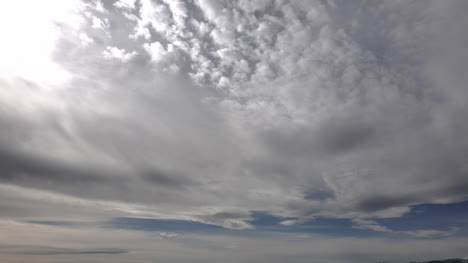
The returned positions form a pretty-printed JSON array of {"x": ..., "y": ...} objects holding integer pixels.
[{"x": 208, "y": 110}]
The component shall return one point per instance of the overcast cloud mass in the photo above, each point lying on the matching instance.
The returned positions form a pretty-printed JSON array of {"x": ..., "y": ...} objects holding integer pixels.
[{"x": 217, "y": 113}]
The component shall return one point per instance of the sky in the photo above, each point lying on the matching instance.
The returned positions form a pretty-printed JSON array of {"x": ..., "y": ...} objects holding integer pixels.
[{"x": 233, "y": 131}]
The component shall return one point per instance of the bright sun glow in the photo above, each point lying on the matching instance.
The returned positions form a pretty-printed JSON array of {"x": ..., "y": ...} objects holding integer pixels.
[{"x": 29, "y": 35}]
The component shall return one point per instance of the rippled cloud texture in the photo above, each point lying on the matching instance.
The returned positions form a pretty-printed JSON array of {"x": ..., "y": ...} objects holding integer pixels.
[{"x": 210, "y": 111}]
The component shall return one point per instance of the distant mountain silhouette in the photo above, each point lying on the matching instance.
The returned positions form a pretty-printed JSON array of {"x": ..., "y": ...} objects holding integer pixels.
[{"x": 452, "y": 260}]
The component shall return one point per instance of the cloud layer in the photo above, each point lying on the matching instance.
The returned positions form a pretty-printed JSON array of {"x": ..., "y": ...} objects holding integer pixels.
[
  {"x": 26, "y": 243},
  {"x": 209, "y": 110}
]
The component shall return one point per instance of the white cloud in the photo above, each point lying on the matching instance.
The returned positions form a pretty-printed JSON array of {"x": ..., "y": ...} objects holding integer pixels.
[
  {"x": 422, "y": 233},
  {"x": 98, "y": 23},
  {"x": 289, "y": 222},
  {"x": 157, "y": 51},
  {"x": 167, "y": 235},
  {"x": 178, "y": 10},
  {"x": 117, "y": 53},
  {"x": 369, "y": 224},
  {"x": 85, "y": 39},
  {"x": 430, "y": 233},
  {"x": 125, "y": 4}
]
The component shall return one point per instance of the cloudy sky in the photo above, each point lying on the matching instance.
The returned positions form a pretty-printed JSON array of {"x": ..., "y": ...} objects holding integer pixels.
[{"x": 233, "y": 131}]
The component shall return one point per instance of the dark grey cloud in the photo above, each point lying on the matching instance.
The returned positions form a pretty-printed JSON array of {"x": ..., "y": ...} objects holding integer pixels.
[
  {"x": 82, "y": 179},
  {"x": 318, "y": 194},
  {"x": 341, "y": 136},
  {"x": 377, "y": 203},
  {"x": 167, "y": 179},
  {"x": 17, "y": 167}
]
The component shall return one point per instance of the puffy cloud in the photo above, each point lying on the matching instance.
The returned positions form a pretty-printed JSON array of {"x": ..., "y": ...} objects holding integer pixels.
[
  {"x": 178, "y": 10},
  {"x": 125, "y": 4},
  {"x": 85, "y": 39},
  {"x": 121, "y": 54},
  {"x": 98, "y": 23}
]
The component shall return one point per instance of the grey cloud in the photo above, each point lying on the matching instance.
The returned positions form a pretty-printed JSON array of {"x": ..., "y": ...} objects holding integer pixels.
[
  {"x": 300, "y": 109},
  {"x": 337, "y": 135},
  {"x": 82, "y": 180},
  {"x": 164, "y": 179},
  {"x": 19, "y": 167},
  {"x": 264, "y": 247},
  {"x": 318, "y": 194},
  {"x": 342, "y": 135},
  {"x": 50, "y": 251},
  {"x": 75, "y": 252},
  {"x": 225, "y": 215},
  {"x": 378, "y": 203},
  {"x": 429, "y": 233}
]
